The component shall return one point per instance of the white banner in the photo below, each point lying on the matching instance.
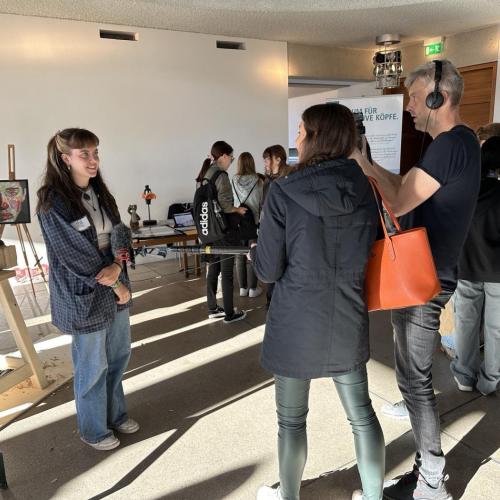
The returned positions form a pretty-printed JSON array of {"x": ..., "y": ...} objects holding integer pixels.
[{"x": 383, "y": 120}]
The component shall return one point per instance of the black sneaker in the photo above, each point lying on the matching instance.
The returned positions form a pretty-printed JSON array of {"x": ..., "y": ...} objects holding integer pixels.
[
  {"x": 236, "y": 316},
  {"x": 218, "y": 312}
]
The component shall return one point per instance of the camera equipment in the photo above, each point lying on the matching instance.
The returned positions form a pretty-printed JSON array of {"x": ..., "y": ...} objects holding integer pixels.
[{"x": 361, "y": 131}]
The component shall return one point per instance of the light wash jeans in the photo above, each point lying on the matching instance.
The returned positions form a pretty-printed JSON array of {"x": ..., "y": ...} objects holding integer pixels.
[
  {"x": 471, "y": 299},
  {"x": 99, "y": 361},
  {"x": 292, "y": 398},
  {"x": 416, "y": 336}
]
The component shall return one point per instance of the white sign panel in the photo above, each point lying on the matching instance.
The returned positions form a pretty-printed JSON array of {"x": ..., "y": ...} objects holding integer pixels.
[{"x": 383, "y": 120}]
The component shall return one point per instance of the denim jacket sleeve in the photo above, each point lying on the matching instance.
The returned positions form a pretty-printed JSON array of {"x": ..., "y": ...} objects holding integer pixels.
[
  {"x": 74, "y": 250},
  {"x": 269, "y": 256}
]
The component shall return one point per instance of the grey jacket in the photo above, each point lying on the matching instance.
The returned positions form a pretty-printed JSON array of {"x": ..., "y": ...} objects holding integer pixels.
[{"x": 317, "y": 229}]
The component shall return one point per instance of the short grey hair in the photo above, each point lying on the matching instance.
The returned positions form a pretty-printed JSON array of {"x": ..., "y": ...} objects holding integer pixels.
[{"x": 451, "y": 80}]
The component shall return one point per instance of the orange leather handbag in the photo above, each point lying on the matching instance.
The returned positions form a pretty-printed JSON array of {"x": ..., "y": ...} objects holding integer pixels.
[{"x": 401, "y": 270}]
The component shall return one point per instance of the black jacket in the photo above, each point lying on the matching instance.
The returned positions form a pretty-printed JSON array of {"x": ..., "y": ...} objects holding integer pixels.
[
  {"x": 317, "y": 229},
  {"x": 480, "y": 257}
]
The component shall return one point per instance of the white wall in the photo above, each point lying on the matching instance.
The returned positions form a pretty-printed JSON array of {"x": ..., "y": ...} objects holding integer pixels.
[
  {"x": 157, "y": 104},
  {"x": 496, "y": 111},
  {"x": 297, "y": 105}
]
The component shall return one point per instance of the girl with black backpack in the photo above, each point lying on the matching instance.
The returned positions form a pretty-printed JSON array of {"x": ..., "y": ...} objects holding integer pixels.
[{"x": 214, "y": 169}]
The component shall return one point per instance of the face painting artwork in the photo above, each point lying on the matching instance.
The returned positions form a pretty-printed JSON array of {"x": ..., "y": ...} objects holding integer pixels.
[{"x": 14, "y": 202}]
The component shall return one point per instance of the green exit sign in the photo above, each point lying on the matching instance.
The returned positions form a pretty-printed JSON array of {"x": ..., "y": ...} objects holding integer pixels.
[{"x": 434, "y": 49}]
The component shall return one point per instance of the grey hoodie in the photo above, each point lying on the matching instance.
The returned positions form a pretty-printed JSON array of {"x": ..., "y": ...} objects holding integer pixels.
[{"x": 251, "y": 189}]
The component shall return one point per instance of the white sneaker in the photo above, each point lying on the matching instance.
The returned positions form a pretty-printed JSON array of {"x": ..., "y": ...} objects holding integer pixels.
[
  {"x": 357, "y": 495},
  {"x": 128, "y": 427},
  {"x": 243, "y": 292},
  {"x": 254, "y": 292},
  {"x": 397, "y": 410},
  {"x": 268, "y": 493},
  {"x": 463, "y": 388},
  {"x": 106, "y": 444}
]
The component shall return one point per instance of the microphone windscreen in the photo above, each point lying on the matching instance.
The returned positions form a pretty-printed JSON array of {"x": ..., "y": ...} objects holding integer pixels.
[{"x": 121, "y": 238}]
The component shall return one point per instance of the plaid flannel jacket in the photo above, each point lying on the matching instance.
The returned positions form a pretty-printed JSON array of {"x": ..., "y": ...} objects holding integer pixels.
[{"x": 78, "y": 303}]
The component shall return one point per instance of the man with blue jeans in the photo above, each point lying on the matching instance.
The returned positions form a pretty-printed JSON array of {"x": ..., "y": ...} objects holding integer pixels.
[
  {"x": 439, "y": 193},
  {"x": 477, "y": 298}
]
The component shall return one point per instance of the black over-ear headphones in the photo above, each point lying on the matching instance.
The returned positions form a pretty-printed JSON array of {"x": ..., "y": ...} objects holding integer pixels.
[{"x": 436, "y": 99}]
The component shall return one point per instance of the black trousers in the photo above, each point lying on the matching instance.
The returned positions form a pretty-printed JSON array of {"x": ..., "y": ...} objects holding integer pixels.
[{"x": 221, "y": 264}]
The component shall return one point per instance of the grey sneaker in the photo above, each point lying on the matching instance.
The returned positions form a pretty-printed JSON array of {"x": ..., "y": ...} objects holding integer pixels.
[
  {"x": 412, "y": 486},
  {"x": 106, "y": 444},
  {"x": 423, "y": 491},
  {"x": 397, "y": 410},
  {"x": 128, "y": 427}
]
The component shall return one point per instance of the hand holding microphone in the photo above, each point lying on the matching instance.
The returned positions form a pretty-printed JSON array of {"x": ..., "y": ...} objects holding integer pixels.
[{"x": 121, "y": 243}]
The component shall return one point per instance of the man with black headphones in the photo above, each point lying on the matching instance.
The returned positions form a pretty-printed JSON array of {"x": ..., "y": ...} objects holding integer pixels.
[{"x": 439, "y": 193}]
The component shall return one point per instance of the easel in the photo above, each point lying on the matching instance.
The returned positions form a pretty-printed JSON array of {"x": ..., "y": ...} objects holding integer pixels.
[
  {"x": 23, "y": 227},
  {"x": 29, "y": 365}
]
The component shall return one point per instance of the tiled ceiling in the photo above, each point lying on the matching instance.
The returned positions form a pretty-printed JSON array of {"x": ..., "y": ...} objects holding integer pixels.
[{"x": 350, "y": 23}]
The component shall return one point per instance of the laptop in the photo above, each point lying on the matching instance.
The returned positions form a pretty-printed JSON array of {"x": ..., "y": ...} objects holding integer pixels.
[{"x": 184, "y": 221}]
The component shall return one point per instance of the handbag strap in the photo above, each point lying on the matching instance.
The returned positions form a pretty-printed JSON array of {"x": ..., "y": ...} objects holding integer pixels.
[{"x": 377, "y": 192}]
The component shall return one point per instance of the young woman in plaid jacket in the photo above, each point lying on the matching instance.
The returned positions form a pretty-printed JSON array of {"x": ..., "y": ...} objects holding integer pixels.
[{"x": 89, "y": 293}]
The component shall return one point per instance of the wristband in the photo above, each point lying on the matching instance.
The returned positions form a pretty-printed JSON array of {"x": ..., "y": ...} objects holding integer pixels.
[{"x": 116, "y": 284}]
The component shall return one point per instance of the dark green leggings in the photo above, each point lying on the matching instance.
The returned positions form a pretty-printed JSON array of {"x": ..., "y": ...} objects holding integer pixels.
[{"x": 292, "y": 396}]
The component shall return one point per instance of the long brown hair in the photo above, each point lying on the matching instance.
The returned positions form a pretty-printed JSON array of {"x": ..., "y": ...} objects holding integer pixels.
[
  {"x": 277, "y": 151},
  {"x": 246, "y": 164},
  {"x": 219, "y": 148},
  {"x": 330, "y": 134},
  {"x": 57, "y": 177}
]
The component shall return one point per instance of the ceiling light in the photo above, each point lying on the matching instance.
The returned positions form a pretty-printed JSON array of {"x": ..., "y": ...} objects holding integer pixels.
[{"x": 387, "y": 67}]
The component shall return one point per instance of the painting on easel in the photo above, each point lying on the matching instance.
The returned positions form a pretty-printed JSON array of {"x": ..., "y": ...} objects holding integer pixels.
[{"x": 14, "y": 202}]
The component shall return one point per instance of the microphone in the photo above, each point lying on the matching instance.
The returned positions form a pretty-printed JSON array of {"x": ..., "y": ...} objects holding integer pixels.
[{"x": 121, "y": 242}]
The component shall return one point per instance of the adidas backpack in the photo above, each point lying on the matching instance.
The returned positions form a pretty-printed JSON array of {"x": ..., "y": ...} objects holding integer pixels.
[{"x": 208, "y": 215}]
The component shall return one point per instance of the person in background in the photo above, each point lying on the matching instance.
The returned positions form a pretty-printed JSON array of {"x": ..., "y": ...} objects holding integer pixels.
[
  {"x": 477, "y": 297},
  {"x": 317, "y": 230},
  {"x": 275, "y": 163},
  {"x": 89, "y": 292},
  {"x": 399, "y": 410},
  {"x": 247, "y": 190},
  {"x": 486, "y": 131},
  {"x": 219, "y": 161}
]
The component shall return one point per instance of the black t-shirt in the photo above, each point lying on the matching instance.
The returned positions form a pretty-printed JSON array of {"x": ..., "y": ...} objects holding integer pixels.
[{"x": 454, "y": 160}]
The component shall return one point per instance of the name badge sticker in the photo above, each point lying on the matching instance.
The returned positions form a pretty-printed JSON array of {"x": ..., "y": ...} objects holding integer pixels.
[{"x": 81, "y": 224}]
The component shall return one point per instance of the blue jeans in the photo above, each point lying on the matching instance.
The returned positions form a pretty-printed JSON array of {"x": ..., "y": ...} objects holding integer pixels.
[
  {"x": 471, "y": 299},
  {"x": 292, "y": 398},
  {"x": 416, "y": 336},
  {"x": 99, "y": 361}
]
